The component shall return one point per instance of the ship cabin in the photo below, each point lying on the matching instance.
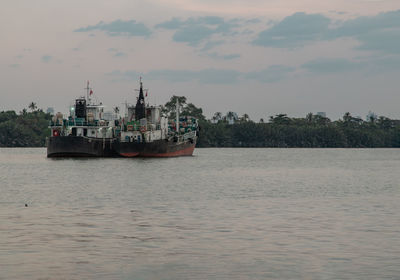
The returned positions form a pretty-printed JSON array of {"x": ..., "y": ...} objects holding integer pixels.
[
  {"x": 145, "y": 125},
  {"x": 85, "y": 120}
]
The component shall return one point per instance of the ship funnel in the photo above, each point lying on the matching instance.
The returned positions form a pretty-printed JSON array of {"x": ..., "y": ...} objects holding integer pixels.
[
  {"x": 80, "y": 108},
  {"x": 140, "y": 109}
]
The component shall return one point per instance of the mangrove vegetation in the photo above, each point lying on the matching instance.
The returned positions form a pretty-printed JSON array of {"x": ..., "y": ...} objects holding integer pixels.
[{"x": 29, "y": 128}]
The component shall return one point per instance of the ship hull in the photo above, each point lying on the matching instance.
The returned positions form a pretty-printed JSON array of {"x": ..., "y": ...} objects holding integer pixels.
[
  {"x": 77, "y": 146},
  {"x": 159, "y": 148}
]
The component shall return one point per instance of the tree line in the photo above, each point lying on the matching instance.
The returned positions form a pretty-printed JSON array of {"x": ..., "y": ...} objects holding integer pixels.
[
  {"x": 26, "y": 129},
  {"x": 312, "y": 131},
  {"x": 29, "y": 128}
]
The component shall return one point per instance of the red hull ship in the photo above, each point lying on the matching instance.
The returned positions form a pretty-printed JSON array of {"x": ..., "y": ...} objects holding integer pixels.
[
  {"x": 147, "y": 133},
  {"x": 159, "y": 148}
]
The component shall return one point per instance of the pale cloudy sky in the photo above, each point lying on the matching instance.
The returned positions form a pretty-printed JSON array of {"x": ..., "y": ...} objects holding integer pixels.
[{"x": 259, "y": 57}]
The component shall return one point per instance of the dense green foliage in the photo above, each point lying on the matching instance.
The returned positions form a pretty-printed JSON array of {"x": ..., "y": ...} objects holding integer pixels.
[
  {"x": 313, "y": 131},
  {"x": 310, "y": 132},
  {"x": 27, "y": 129},
  {"x": 30, "y": 129},
  {"x": 186, "y": 109}
]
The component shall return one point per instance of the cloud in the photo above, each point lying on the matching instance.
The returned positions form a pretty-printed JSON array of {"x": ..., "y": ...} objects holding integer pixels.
[
  {"x": 193, "y": 34},
  {"x": 294, "y": 31},
  {"x": 385, "y": 41},
  {"x": 253, "y": 21},
  {"x": 169, "y": 75},
  {"x": 119, "y": 28},
  {"x": 224, "y": 56},
  {"x": 47, "y": 58},
  {"x": 335, "y": 65},
  {"x": 15, "y": 65},
  {"x": 365, "y": 25},
  {"x": 375, "y": 33},
  {"x": 382, "y": 65},
  {"x": 172, "y": 75},
  {"x": 128, "y": 75},
  {"x": 378, "y": 33},
  {"x": 174, "y": 23},
  {"x": 206, "y": 76},
  {"x": 120, "y": 54},
  {"x": 117, "y": 53},
  {"x": 272, "y": 74},
  {"x": 217, "y": 76},
  {"x": 195, "y": 31},
  {"x": 338, "y": 12},
  {"x": 211, "y": 44},
  {"x": 366, "y": 65}
]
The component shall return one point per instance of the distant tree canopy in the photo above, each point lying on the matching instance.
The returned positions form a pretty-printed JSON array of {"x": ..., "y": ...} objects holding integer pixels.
[
  {"x": 313, "y": 131},
  {"x": 28, "y": 129},
  {"x": 185, "y": 109}
]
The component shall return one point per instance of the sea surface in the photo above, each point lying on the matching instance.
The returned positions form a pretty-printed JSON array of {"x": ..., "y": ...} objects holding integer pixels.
[{"x": 221, "y": 214}]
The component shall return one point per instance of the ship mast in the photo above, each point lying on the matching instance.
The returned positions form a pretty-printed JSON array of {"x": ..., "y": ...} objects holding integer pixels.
[
  {"x": 88, "y": 90},
  {"x": 177, "y": 115}
]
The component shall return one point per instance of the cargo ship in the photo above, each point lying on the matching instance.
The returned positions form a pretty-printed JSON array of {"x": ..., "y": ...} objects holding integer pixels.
[
  {"x": 85, "y": 133},
  {"x": 144, "y": 131}
]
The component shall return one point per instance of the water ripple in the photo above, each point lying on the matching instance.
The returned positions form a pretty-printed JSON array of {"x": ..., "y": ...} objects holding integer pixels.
[{"x": 222, "y": 214}]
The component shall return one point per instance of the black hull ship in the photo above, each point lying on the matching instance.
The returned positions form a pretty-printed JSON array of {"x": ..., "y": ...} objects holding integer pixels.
[
  {"x": 77, "y": 146},
  {"x": 142, "y": 132}
]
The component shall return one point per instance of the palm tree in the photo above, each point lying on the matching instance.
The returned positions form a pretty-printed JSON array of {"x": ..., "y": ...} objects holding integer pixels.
[
  {"x": 218, "y": 116},
  {"x": 245, "y": 117},
  {"x": 372, "y": 117},
  {"x": 281, "y": 119},
  {"x": 347, "y": 117},
  {"x": 385, "y": 122},
  {"x": 231, "y": 117},
  {"x": 309, "y": 117},
  {"x": 32, "y": 106}
]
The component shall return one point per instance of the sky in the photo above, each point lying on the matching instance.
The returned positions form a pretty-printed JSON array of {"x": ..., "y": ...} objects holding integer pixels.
[{"x": 260, "y": 57}]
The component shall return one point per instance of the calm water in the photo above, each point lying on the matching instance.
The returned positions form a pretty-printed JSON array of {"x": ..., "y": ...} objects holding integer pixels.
[{"x": 221, "y": 214}]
